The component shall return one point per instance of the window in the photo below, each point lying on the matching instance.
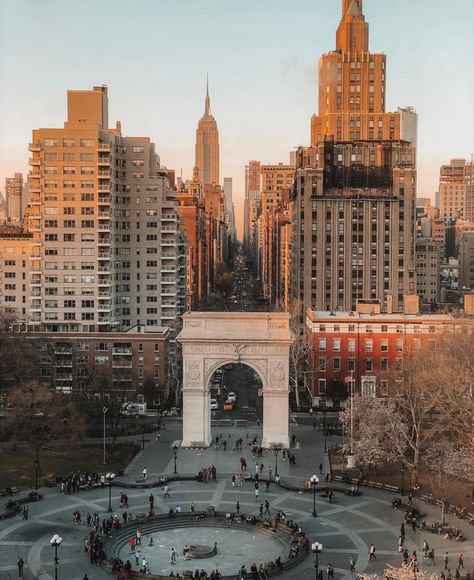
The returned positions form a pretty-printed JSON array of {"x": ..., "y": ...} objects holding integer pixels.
[
  {"x": 384, "y": 328},
  {"x": 351, "y": 364},
  {"x": 322, "y": 344},
  {"x": 322, "y": 364},
  {"x": 384, "y": 387},
  {"x": 384, "y": 345},
  {"x": 351, "y": 343},
  {"x": 336, "y": 344},
  {"x": 416, "y": 344},
  {"x": 369, "y": 344},
  {"x": 399, "y": 345},
  {"x": 322, "y": 386},
  {"x": 336, "y": 363},
  {"x": 432, "y": 345},
  {"x": 369, "y": 365},
  {"x": 384, "y": 364}
]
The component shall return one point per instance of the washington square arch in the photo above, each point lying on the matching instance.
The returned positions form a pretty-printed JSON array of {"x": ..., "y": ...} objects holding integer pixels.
[{"x": 260, "y": 340}]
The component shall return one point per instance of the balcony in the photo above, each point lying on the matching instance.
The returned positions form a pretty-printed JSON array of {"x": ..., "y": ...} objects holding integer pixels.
[
  {"x": 104, "y": 242},
  {"x": 103, "y": 161},
  {"x": 64, "y": 364},
  {"x": 104, "y": 294},
  {"x": 103, "y": 321},
  {"x": 34, "y": 146},
  {"x": 168, "y": 256},
  {"x": 168, "y": 270},
  {"x": 168, "y": 229},
  {"x": 104, "y": 308},
  {"x": 103, "y": 228},
  {"x": 35, "y": 307},
  {"x": 104, "y": 256},
  {"x": 35, "y": 174},
  {"x": 165, "y": 293},
  {"x": 104, "y": 269},
  {"x": 168, "y": 244},
  {"x": 104, "y": 173},
  {"x": 168, "y": 218},
  {"x": 103, "y": 283},
  {"x": 34, "y": 161},
  {"x": 121, "y": 364},
  {"x": 103, "y": 147},
  {"x": 103, "y": 187},
  {"x": 121, "y": 350}
]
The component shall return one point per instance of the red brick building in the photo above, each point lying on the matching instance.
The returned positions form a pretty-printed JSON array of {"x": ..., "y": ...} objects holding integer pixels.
[{"x": 367, "y": 347}]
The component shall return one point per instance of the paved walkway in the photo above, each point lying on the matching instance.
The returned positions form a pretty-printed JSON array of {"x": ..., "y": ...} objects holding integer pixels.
[{"x": 346, "y": 528}]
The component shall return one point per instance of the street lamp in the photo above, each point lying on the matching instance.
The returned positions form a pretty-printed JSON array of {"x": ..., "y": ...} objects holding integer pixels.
[
  {"x": 316, "y": 548},
  {"x": 104, "y": 411},
  {"x": 55, "y": 543},
  {"x": 110, "y": 477},
  {"x": 276, "y": 451},
  {"x": 402, "y": 470},
  {"x": 37, "y": 468},
  {"x": 175, "y": 457},
  {"x": 314, "y": 482}
]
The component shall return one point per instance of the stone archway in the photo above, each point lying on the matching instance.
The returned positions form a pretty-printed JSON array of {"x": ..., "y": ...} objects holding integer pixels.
[{"x": 260, "y": 340}]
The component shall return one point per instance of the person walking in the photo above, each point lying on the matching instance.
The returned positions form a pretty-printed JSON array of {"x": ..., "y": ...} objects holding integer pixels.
[
  {"x": 233, "y": 480},
  {"x": 131, "y": 543},
  {"x": 144, "y": 473},
  {"x": 139, "y": 538},
  {"x": 151, "y": 501},
  {"x": 137, "y": 557},
  {"x": 21, "y": 564},
  {"x": 237, "y": 508},
  {"x": 256, "y": 494},
  {"x": 330, "y": 571},
  {"x": 260, "y": 509},
  {"x": 173, "y": 556},
  {"x": 426, "y": 547},
  {"x": 461, "y": 561},
  {"x": 446, "y": 560},
  {"x": 267, "y": 508},
  {"x": 372, "y": 553},
  {"x": 402, "y": 531},
  {"x": 165, "y": 491},
  {"x": 352, "y": 564}
]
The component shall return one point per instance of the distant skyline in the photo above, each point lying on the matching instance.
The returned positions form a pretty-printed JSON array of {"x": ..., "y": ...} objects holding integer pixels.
[{"x": 262, "y": 62}]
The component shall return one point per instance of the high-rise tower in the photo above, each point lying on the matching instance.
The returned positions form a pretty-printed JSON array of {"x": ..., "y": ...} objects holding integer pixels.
[
  {"x": 353, "y": 213},
  {"x": 207, "y": 145}
]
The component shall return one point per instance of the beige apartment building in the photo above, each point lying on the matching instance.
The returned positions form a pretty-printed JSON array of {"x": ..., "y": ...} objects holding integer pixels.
[
  {"x": 103, "y": 225},
  {"x": 428, "y": 270},
  {"x": 456, "y": 194},
  {"x": 353, "y": 205},
  {"x": 466, "y": 260}
]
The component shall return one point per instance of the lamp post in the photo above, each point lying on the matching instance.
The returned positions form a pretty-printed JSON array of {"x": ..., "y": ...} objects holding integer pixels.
[
  {"x": 276, "y": 451},
  {"x": 314, "y": 482},
  {"x": 55, "y": 543},
  {"x": 175, "y": 457},
  {"x": 316, "y": 548},
  {"x": 110, "y": 477},
  {"x": 37, "y": 468},
  {"x": 402, "y": 470},
  {"x": 104, "y": 411}
]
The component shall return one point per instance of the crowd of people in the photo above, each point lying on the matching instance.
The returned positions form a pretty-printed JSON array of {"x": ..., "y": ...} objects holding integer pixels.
[{"x": 80, "y": 481}]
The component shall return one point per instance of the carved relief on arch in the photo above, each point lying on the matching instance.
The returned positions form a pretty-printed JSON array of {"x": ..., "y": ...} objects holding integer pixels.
[
  {"x": 192, "y": 373},
  {"x": 277, "y": 373}
]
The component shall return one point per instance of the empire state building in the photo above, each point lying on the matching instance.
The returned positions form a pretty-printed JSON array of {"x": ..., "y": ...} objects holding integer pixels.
[{"x": 207, "y": 146}]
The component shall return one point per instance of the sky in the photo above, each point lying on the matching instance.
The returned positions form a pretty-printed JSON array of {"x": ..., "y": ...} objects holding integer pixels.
[{"x": 261, "y": 57}]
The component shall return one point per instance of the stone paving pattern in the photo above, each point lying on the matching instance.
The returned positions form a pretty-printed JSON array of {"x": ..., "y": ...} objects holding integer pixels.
[{"x": 345, "y": 529}]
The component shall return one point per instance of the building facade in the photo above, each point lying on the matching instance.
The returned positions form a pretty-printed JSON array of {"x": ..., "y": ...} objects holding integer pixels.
[
  {"x": 428, "y": 270},
  {"x": 456, "y": 193},
  {"x": 366, "y": 347},
  {"x": 105, "y": 248},
  {"x": 466, "y": 261},
  {"x": 353, "y": 204},
  {"x": 207, "y": 146},
  {"x": 252, "y": 205}
]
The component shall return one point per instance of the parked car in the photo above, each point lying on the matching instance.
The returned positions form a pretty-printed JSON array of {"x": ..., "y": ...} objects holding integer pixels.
[
  {"x": 214, "y": 405},
  {"x": 232, "y": 397}
]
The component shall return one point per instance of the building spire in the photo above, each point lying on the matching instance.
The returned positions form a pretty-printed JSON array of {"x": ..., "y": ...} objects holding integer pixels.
[{"x": 207, "y": 108}]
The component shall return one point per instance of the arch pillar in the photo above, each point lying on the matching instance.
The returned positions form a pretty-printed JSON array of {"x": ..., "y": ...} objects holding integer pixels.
[{"x": 213, "y": 339}]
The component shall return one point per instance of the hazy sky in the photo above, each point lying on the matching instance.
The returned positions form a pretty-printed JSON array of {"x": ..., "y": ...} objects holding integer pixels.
[{"x": 262, "y": 61}]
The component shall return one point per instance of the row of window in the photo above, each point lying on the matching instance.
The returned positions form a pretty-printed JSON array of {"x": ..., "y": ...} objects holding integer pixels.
[
  {"x": 368, "y": 328},
  {"x": 368, "y": 389}
]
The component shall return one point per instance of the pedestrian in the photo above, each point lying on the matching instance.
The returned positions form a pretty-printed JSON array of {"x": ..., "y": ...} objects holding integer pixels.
[
  {"x": 88, "y": 519},
  {"x": 144, "y": 473},
  {"x": 267, "y": 486},
  {"x": 277, "y": 479},
  {"x": 446, "y": 560},
  {"x": 224, "y": 444},
  {"x": 86, "y": 577},
  {"x": 267, "y": 508},
  {"x": 125, "y": 517},
  {"x": 400, "y": 544},
  {"x": 372, "y": 552},
  {"x": 139, "y": 537},
  {"x": 293, "y": 440},
  {"x": 461, "y": 561},
  {"x": 173, "y": 556},
  {"x": 20, "y": 567},
  {"x": 402, "y": 531},
  {"x": 256, "y": 494},
  {"x": 233, "y": 480},
  {"x": 405, "y": 556},
  {"x": 131, "y": 543},
  {"x": 431, "y": 557},
  {"x": 151, "y": 500},
  {"x": 256, "y": 467},
  {"x": 320, "y": 468},
  {"x": 237, "y": 507},
  {"x": 193, "y": 507},
  {"x": 410, "y": 500},
  {"x": 165, "y": 490},
  {"x": 413, "y": 525},
  {"x": 352, "y": 564},
  {"x": 137, "y": 557},
  {"x": 330, "y": 571},
  {"x": 425, "y": 547},
  {"x": 260, "y": 509},
  {"x": 25, "y": 512},
  {"x": 311, "y": 410}
]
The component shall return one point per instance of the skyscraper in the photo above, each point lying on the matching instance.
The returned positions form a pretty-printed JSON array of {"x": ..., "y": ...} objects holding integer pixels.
[
  {"x": 353, "y": 204},
  {"x": 251, "y": 204},
  {"x": 14, "y": 197},
  {"x": 207, "y": 145},
  {"x": 456, "y": 189}
]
